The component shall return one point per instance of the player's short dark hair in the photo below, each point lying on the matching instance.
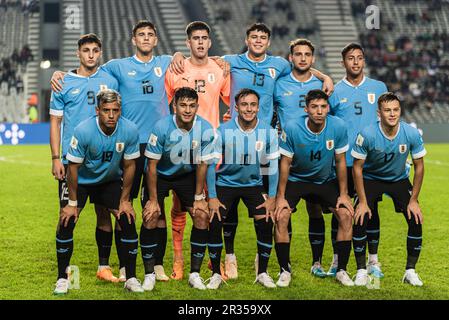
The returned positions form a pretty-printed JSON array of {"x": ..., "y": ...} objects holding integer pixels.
[
  {"x": 143, "y": 24},
  {"x": 195, "y": 26},
  {"x": 185, "y": 93},
  {"x": 245, "y": 92},
  {"x": 351, "y": 46},
  {"x": 108, "y": 96},
  {"x": 89, "y": 38},
  {"x": 315, "y": 95},
  {"x": 387, "y": 97},
  {"x": 302, "y": 42},
  {"x": 258, "y": 26}
]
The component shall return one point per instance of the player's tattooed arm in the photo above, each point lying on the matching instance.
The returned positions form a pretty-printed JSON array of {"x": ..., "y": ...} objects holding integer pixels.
[
  {"x": 342, "y": 176},
  {"x": 177, "y": 63},
  {"x": 413, "y": 207},
  {"x": 57, "y": 80},
  {"x": 284, "y": 171},
  {"x": 129, "y": 168},
  {"x": 70, "y": 211},
  {"x": 328, "y": 83},
  {"x": 362, "y": 207},
  {"x": 57, "y": 168},
  {"x": 151, "y": 211}
]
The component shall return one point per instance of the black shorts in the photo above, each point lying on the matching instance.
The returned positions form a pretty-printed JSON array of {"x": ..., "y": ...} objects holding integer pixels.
[
  {"x": 184, "y": 186},
  {"x": 139, "y": 174},
  {"x": 105, "y": 194},
  {"x": 252, "y": 197},
  {"x": 399, "y": 191},
  {"x": 325, "y": 194}
]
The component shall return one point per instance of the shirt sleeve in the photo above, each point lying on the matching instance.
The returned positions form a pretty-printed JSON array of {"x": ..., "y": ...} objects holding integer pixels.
[
  {"x": 57, "y": 104},
  {"x": 417, "y": 149},
  {"x": 333, "y": 103},
  {"x": 78, "y": 147},
  {"x": 169, "y": 85},
  {"x": 132, "y": 150},
  {"x": 361, "y": 147},
  {"x": 155, "y": 145},
  {"x": 225, "y": 91},
  {"x": 286, "y": 143},
  {"x": 341, "y": 143},
  {"x": 210, "y": 180},
  {"x": 286, "y": 68},
  {"x": 208, "y": 145},
  {"x": 112, "y": 67}
]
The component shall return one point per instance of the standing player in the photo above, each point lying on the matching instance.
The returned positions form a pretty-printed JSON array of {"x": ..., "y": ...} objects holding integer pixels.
[
  {"x": 178, "y": 149},
  {"x": 354, "y": 101},
  {"x": 380, "y": 155},
  {"x": 98, "y": 147},
  {"x": 256, "y": 70},
  {"x": 245, "y": 145},
  {"x": 75, "y": 103},
  {"x": 289, "y": 99},
  {"x": 309, "y": 146},
  {"x": 203, "y": 75}
]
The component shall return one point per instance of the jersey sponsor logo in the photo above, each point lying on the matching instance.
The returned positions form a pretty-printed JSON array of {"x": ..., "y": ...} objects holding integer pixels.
[
  {"x": 73, "y": 143},
  {"x": 288, "y": 93},
  {"x": 330, "y": 144},
  {"x": 158, "y": 71},
  {"x": 343, "y": 100},
  {"x": 132, "y": 73},
  {"x": 259, "y": 146},
  {"x": 283, "y": 136},
  {"x": 211, "y": 77},
  {"x": 120, "y": 146},
  {"x": 153, "y": 140},
  {"x": 371, "y": 98},
  {"x": 103, "y": 87},
  {"x": 272, "y": 72},
  {"x": 76, "y": 91},
  {"x": 359, "y": 140},
  {"x": 402, "y": 148},
  {"x": 195, "y": 144}
]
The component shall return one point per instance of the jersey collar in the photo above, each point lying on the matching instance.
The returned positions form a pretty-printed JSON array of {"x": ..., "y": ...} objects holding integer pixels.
[
  {"x": 140, "y": 61},
  {"x": 241, "y": 129},
  {"x": 317, "y": 134},
  {"x": 385, "y": 136},
  {"x": 351, "y": 85},
  {"x": 73, "y": 74},
  {"x": 296, "y": 80},
  {"x": 101, "y": 131},
  {"x": 182, "y": 130},
  {"x": 251, "y": 60}
]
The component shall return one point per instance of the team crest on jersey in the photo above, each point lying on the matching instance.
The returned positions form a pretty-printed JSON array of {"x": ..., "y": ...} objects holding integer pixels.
[
  {"x": 371, "y": 98},
  {"x": 158, "y": 71},
  {"x": 76, "y": 91},
  {"x": 103, "y": 87},
  {"x": 330, "y": 144},
  {"x": 359, "y": 140},
  {"x": 402, "y": 148},
  {"x": 119, "y": 146},
  {"x": 153, "y": 140},
  {"x": 211, "y": 77},
  {"x": 259, "y": 146},
  {"x": 272, "y": 72},
  {"x": 288, "y": 93},
  {"x": 73, "y": 143},
  {"x": 283, "y": 136},
  {"x": 344, "y": 100},
  {"x": 194, "y": 144},
  {"x": 132, "y": 73}
]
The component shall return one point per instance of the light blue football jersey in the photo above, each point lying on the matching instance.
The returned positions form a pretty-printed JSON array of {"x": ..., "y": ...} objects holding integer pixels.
[
  {"x": 357, "y": 106},
  {"x": 177, "y": 150},
  {"x": 77, "y": 101},
  {"x": 142, "y": 87},
  {"x": 245, "y": 157},
  {"x": 290, "y": 94},
  {"x": 313, "y": 153},
  {"x": 385, "y": 158},
  {"x": 101, "y": 154},
  {"x": 259, "y": 76}
]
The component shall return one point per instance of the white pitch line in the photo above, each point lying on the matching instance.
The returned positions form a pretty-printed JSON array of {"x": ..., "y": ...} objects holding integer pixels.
[
  {"x": 437, "y": 162},
  {"x": 30, "y": 163}
]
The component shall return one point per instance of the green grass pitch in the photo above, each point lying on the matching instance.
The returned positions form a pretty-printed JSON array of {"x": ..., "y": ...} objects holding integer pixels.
[{"x": 29, "y": 211}]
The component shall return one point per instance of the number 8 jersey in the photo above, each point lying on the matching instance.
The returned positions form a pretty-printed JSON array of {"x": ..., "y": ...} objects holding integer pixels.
[{"x": 313, "y": 153}]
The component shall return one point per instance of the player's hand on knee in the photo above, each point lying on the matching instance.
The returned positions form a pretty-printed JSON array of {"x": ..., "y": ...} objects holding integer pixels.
[
  {"x": 57, "y": 79},
  {"x": 345, "y": 201},
  {"x": 57, "y": 169},
  {"x": 328, "y": 85},
  {"x": 127, "y": 208},
  {"x": 360, "y": 212},
  {"x": 200, "y": 207},
  {"x": 67, "y": 213},
  {"x": 151, "y": 211},
  {"x": 414, "y": 209},
  {"x": 214, "y": 208},
  {"x": 223, "y": 64},
  {"x": 177, "y": 63},
  {"x": 281, "y": 205},
  {"x": 270, "y": 207}
]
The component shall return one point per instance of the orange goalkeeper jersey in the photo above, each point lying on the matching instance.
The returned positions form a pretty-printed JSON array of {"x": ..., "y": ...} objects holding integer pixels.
[{"x": 208, "y": 82}]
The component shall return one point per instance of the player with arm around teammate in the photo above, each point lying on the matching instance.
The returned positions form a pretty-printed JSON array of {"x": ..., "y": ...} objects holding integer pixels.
[
  {"x": 380, "y": 154},
  {"x": 98, "y": 146},
  {"x": 309, "y": 146}
]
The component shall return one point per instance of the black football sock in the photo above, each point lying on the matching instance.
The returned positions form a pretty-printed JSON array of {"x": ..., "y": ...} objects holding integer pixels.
[
  {"x": 283, "y": 255},
  {"x": 414, "y": 242},
  {"x": 198, "y": 243},
  {"x": 264, "y": 232},
  {"x": 230, "y": 229},
  {"x": 118, "y": 247},
  {"x": 148, "y": 246},
  {"x": 130, "y": 243},
  {"x": 316, "y": 238},
  {"x": 215, "y": 243},
  {"x": 104, "y": 244},
  {"x": 161, "y": 237},
  {"x": 373, "y": 231},
  {"x": 334, "y": 231},
  {"x": 359, "y": 243},
  {"x": 64, "y": 247},
  {"x": 343, "y": 251}
]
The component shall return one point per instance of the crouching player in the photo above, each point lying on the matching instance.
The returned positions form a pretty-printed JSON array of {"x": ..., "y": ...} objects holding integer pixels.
[
  {"x": 178, "y": 149},
  {"x": 97, "y": 147},
  {"x": 380, "y": 153},
  {"x": 248, "y": 149},
  {"x": 309, "y": 146}
]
